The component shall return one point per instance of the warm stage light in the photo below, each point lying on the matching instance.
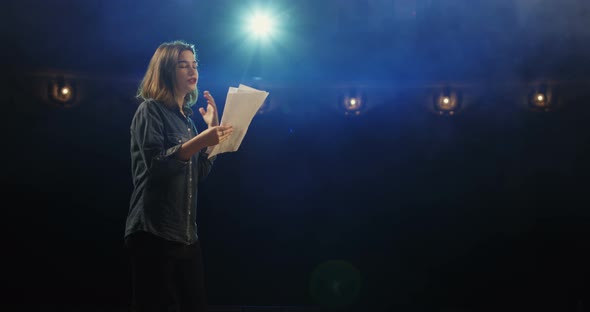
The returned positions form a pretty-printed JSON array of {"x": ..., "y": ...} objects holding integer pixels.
[
  {"x": 541, "y": 98},
  {"x": 353, "y": 104},
  {"x": 62, "y": 92},
  {"x": 447, "y": 102},
  {"x": 540, "y": 101}
]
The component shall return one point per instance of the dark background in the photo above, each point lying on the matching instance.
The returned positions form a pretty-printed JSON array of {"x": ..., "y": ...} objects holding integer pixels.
[{"x": 396, "y": 209}]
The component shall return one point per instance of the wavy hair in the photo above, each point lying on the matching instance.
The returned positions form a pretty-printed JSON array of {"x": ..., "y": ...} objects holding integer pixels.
[{"x": 158, "y": 82}]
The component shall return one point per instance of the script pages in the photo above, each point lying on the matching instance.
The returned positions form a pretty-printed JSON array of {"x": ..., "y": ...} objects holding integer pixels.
[{"x": 241, "y": 105}]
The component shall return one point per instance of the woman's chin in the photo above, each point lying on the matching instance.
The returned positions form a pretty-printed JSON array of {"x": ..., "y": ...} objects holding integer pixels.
[{"x": 191, "y": 89}]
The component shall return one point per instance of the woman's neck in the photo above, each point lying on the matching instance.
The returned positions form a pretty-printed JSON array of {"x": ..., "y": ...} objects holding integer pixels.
[{"x": 180, "y": 102}]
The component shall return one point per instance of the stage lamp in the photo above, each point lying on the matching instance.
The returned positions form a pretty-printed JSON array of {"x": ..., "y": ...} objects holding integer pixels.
[
  {"x": 353, "y": 105},
  {"x": 541, "y": 99},
  {"x": 447, "y": 102},
  {"x": 261, "y": 25},
  {"x": 62, "y": 92}
]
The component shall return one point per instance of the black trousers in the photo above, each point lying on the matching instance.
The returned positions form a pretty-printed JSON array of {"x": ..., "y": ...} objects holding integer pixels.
[{"x": 165, "y": 276}]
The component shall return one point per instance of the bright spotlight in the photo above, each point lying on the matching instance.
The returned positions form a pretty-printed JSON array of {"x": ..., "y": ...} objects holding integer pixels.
[{"x": 261, "y": 25}]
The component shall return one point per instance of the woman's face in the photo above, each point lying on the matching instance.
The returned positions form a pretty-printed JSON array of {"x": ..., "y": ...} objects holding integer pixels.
[{"x": 186, "y": 73}]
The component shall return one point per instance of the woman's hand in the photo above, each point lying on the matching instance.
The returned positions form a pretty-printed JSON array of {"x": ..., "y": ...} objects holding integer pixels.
[
  {"x": 215, "y": 135},
  {"x": 210, "y": 115}
]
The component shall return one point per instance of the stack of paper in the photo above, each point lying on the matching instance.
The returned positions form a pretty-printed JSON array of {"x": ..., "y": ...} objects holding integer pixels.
[{"x": 241, "y": 105}]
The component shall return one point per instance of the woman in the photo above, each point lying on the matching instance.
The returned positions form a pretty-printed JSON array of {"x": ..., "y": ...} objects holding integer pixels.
[{"x": 169, "y": 158}]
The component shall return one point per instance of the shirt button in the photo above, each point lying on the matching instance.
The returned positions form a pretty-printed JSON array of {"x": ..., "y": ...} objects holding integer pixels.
[
  {"x": 179, "y": 140},
  {"x": 189, "y": 129}
]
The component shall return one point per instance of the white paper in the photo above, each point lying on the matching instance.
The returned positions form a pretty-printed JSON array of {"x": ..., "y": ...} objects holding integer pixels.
[{"x": 241, "y": 105}]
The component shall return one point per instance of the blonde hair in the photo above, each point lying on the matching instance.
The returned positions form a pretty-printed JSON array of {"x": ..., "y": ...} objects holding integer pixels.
[{"x": 158, "y": 82}]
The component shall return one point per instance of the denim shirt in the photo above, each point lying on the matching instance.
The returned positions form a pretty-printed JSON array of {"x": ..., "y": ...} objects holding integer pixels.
[{"x": 164, "y": 198}]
